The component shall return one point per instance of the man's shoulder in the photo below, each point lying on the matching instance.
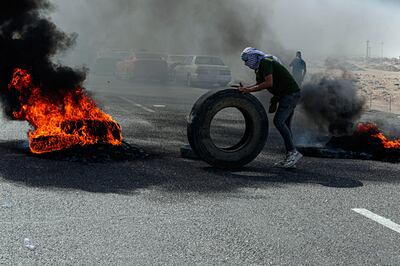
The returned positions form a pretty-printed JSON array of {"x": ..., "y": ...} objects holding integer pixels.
[{"x": 266, "y": 62}]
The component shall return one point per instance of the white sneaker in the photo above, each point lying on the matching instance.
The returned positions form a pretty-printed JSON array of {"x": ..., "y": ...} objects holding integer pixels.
[
  {"x": 282, "y": 162},
  {"x": 282, "y": 165},
  {"x": 292, "y": 159}
]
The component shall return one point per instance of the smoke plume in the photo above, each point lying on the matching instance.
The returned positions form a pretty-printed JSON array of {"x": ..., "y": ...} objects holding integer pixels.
[
  {"x": 223, "y": 27},
  {"x": 332, "y": 103},
  {"x": 29, "y": 40}
]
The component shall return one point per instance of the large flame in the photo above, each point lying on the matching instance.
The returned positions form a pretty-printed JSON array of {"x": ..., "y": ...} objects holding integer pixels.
[
  {"x": 375, "y": 132},
  {"x": 73, "y": 120}
]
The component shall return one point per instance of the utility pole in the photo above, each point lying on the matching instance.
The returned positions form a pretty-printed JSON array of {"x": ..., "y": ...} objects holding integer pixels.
[
  {"x": 368, "y": 51},
  {"x": 382, "y": 43}
]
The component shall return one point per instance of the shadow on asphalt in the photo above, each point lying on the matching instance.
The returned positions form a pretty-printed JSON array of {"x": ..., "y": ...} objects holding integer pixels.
[
  {"x": 176, "y": 175},
  {"x": 291, "y": 176}
]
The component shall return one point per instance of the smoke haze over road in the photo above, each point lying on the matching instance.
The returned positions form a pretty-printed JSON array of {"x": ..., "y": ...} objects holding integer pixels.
[
  {"x": 341, "y": 27},
  {"x": 222, "y": 27},
  {"x": 318, "y": 28}
]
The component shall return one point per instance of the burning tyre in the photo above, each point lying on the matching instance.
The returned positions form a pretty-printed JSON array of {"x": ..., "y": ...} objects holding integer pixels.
[
  {"x": 252, "y": 141},
  {"x": 77, "y": 133},
  {"x": 367, "y": 142},
  {"x": 70, "y": 120}
]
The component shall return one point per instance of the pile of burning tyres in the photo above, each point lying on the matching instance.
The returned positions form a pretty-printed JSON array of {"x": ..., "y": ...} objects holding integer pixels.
[
  {"x": 73, "y": 125},
  {"x": 335, "y": 105},
  {"x": 72, "y": 120},
  {"x": 367, "y": 142},
  {"x": 66, "y": 123}
]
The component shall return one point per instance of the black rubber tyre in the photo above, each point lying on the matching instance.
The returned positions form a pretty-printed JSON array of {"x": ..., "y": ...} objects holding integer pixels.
[{"x": 253, "y": 140}]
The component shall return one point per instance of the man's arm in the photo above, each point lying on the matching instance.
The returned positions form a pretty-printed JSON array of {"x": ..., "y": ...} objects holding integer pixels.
[
  {"x": 305, "y": 70},
  {"x": 268, "y": 83},
  {"x": 241, "y": 86}
]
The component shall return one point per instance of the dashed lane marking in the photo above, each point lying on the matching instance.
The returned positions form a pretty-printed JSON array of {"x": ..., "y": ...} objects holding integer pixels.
[
  {"x": 138, "y": 105},
  {"x": 159, "y": 106},
  {"x": 145, "y": 108},
  {"x": 379, "y": 219}
]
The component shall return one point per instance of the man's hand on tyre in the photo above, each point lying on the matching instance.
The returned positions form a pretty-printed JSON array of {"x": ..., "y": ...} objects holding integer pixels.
[
  {"x": 244, "y": 89},
  {"x": 241, "y": 88}
]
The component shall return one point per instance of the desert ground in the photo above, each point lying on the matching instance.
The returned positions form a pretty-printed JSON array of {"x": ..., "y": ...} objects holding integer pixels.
[{"x": 380, "y": 88}]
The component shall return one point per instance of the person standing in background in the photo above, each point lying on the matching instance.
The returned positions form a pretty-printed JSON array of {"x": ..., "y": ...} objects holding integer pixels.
[{"x": 299, "y": 68}]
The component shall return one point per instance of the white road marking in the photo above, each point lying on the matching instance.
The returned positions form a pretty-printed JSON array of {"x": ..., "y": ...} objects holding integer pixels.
[
  {"x": 159, "y": 106},
  {"x": 379, "y": 219},
  {"x": 138, "y": 105},
  {"x": 145, "y": 108}
]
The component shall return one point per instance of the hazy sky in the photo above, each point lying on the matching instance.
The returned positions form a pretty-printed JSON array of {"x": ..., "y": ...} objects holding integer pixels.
[
  {"x": 320, "y": 28},
  {"x": 340, "y": 26}
]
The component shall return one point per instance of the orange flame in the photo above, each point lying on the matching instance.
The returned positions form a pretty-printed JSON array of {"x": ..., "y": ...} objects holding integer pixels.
[
  {"x": 74, "y": 120},
  {"x": 375, "y": 132}
]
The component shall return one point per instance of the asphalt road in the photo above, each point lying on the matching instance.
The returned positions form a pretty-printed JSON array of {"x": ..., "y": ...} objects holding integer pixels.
[{"x": 166, "y": 210}]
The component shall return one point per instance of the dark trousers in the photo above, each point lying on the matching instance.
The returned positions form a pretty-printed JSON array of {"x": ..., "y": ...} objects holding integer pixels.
[{"x": 284, "y": 116}]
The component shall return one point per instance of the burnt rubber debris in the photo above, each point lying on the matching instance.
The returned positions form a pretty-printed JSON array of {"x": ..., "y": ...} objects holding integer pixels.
[
  {"x": 368, "y": 142},
  {"x": 97, "y": 153}
]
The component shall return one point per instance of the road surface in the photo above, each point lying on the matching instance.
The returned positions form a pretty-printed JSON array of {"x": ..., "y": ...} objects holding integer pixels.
[{"x": 166, "y": 210}]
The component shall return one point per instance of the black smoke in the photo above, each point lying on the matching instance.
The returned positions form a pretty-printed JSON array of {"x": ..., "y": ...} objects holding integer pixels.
[
  {"x": 223, "y": 27},
  {"x": 29, "y": 40},
  {"x": 332, "y": 103}
]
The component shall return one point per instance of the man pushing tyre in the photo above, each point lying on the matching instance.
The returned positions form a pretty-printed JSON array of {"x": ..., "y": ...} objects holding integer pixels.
[{"x": 274, "y": 77}]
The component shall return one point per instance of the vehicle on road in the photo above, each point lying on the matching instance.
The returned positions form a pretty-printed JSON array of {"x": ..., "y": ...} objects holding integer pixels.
[
  {"x": 176, "y": 59},
  {"x": 173, "y": 61},
  {"x": 106, "y": 61},
  {"x": 202, "y": 70},
  {"x": 143, "y": 66}
]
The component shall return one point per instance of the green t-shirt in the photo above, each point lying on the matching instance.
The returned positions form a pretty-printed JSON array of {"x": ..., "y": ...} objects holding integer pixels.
[{"x": 283, "y": 81}]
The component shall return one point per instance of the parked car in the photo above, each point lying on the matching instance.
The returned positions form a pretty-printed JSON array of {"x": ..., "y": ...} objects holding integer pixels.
[
  {"x": 106, "y": 61},
  {"x": 174, "y": 61},
  {"x": 143, "y": 66},
  {"x": 200, "y": 69}
]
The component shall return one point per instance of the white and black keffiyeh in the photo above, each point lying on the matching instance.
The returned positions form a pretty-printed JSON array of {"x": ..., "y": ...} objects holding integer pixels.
[{"x": 252, "y": 57}]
